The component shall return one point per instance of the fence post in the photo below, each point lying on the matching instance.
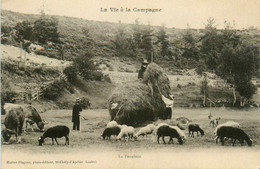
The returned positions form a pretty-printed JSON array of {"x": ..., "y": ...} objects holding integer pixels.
[{"x": 38, "y": 95}]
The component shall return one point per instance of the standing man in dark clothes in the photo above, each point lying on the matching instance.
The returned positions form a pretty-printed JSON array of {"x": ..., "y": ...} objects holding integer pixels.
[
  {"x": 76, "y": 114},
  {"x": 142, "y": 70}
]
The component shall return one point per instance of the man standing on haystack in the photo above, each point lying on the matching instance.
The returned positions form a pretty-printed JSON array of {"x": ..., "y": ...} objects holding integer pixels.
[
  {"x": 142, "y": 70},
  {"x": 76, "y": 115}
]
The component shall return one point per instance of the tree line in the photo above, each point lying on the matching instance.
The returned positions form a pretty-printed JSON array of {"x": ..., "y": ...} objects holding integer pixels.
[{"x": 222, "y": 51}]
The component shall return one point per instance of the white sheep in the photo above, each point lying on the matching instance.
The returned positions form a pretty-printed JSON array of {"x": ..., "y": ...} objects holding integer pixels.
[
  {"x": 112, "y": 124},
  {"x": 180, "y": 132},
  {"x": 145, "y": 130},
  {"x": 122, "y": 126},
  {"x": 126, "y": 131}
]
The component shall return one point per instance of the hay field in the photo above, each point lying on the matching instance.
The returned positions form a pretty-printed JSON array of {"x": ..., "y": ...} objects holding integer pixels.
[{"x": 88, "y": 143}]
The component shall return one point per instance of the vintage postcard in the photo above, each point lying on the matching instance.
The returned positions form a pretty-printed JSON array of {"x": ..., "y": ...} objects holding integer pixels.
[{"x": 130, "y": 84}]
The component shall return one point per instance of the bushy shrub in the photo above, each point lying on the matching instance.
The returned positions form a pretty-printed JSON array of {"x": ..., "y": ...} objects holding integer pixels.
[
  {"x": 8, "y": 96},
  {"x": 6, "y": 29},
  {"x": 200, "y": 69},
  {"x": 23, "y": 31},
  {"x": 85, "y": 102},
  {"x": 54, "y": 90},
  {"x": 42, "y": 30},
  {"x": 107, "y": 78},
  {"x": 45, "y": 29},
  {"x": 95, "y": 75},
  {"x": 71, "y": 73},
  {"x": 7, "y": 91}
]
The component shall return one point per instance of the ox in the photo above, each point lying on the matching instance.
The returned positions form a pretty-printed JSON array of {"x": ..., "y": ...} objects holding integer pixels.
[
  {"x": 13, "y": 123},
  {"x": 32, "y": 116}
]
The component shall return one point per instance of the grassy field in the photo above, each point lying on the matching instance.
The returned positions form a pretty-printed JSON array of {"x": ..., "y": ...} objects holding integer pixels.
[
  {"x": 88, "y": 139},
  {"x": 92, "y": 128}
]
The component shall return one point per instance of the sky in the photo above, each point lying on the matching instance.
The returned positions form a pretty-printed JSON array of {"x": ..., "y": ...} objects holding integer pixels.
[{"x": 173, "y": 13}]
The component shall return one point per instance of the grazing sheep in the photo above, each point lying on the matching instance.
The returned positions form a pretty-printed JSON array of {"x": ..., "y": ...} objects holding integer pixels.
[
  {"x": 233, "y": 133},
  {"x": 115, "y": 130},
  {"x": 122, "y": 126},
  {"x": 126, "y": 131},
  {"x": 159, "y": 125},
  {"x": 54, "y": 133},
  {"x": 214, "y": 122},
  {"x": 228, "y": 123},
  {"x": 156, "y": 128},
  {"x": 145, "y": 130},
  {"x": 112, "y": 124},
  {"x": 195, "y": 128},
  {"x": 168, "y": 131},
  {"x": 180, "y": 132},
  {"x": 182, "y": 126}
]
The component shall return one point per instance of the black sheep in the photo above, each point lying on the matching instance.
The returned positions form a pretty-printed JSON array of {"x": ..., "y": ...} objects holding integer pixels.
[
  {"x": 168, "y": 131},
  {"x": 110, "y": 131},
  {"x": 233, "y": 133},
  {"x": 195, "y": 128},
  {"x": 54, "y": 133}
]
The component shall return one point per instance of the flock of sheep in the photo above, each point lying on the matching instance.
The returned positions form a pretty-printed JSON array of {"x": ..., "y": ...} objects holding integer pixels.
[
  {"x": 229, "y": 130},
  {"x": 17, "y": 115}
]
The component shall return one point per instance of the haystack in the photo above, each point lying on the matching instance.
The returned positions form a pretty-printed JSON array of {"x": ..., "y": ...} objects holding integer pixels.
[{"x": 139, "y": 101}]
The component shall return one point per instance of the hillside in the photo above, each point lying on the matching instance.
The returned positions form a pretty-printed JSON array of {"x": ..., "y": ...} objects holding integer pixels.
[
  {"x": 30, "y": 74},
  {"x": 34, "y": 71},
  {"x": 73, "y": 36}
]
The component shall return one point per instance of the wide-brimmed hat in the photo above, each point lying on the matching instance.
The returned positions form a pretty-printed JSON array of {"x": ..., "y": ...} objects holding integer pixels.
[
  {"x": 77, "y": 99},
  {"x": 145, "y": 61}
]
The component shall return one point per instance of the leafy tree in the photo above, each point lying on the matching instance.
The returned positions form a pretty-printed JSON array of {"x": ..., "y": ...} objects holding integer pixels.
[
  {"x": 238, "y": 66},
  {"x": 45, "y": 29},
  {"x": 42, "y": 30},
  {"x": 246, "y": 90},
  {"x": 189, "y": 45},
  {"x": 84, "y": 65},
  {"x": 146, "y": 43},
  {"x": 24, "y": 31},
  {"x": 137, "y": 35},
  {"x": 231, "y": 58},
  {"x": 121, "y": 42},
  {"x": 210, "y": 45},
  {"x": 163, "y": 39},
  {"x": 71, "y": 73}
]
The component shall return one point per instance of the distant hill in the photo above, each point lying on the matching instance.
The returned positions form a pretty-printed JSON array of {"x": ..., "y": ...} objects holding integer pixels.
[
  {"x": 185, "y": 81},
  {"x": 103, "y": 33}
]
